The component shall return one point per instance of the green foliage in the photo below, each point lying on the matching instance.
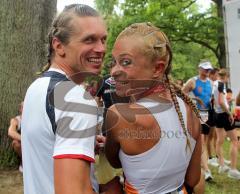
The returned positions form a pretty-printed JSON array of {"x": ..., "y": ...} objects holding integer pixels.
[
  {"x": 221, "y": 183},
  {"x": 186, "y": 57},
  {"x": 194, "y": 35},
  {"x": 106, "y": 7}
]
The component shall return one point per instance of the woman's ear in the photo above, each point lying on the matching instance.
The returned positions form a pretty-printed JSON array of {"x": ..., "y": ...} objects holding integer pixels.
[
  {"x": 159, "y": 68},
  {"x": 58, "y": 47}
]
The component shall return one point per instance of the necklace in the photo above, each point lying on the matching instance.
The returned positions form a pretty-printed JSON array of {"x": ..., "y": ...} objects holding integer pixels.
[{"x": 156, "y": 89}]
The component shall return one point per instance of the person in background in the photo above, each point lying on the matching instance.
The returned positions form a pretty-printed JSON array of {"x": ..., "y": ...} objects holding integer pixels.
[
  {"x": 105, "y": 95},
  {"x": 201, "y": 87},
  {"x": 230, "y": 99},
  {"x": 237, "y": 117},
  {"x": 224, "y": 126},
  {"x": 213, "y": 75},
  {"x": 238, "y": 99},
  {"x": 237, "y": 107},
  {"x": 212, "y": 136},
  {"x": 14, "y": 132}
]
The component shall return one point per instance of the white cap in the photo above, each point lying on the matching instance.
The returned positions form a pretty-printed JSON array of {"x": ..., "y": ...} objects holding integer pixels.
[{"x": 205, "y": 65}]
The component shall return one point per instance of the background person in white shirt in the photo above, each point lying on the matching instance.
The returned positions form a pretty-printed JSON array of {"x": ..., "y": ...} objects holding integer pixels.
[{"x": 224, "y": 126}]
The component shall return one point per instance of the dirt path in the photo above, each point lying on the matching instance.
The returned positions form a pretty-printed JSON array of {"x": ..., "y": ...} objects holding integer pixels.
[{"x": 11, "y": 182}]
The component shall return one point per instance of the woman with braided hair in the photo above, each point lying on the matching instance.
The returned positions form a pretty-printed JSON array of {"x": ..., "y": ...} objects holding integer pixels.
[{"x": 155, "y": 137}]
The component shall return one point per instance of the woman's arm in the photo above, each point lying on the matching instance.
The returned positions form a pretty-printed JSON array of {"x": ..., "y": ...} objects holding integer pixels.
[{"x": 194, "y": 168}]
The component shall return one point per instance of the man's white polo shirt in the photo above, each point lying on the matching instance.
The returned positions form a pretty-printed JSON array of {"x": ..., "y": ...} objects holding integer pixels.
[{"x": 40, "y": 144}]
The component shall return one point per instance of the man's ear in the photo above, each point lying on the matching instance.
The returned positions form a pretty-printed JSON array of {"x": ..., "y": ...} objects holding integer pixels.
[
  {"x": 159, "y": 68},
  {"x": 58, "y": 47}
]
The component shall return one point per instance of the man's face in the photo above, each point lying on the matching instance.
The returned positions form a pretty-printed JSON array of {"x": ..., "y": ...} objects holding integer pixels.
[
  {"x": 214, "y": 76},
  {"x": 87, "y": 44},
  {"x": 226, "y": 79},
  {"x": 204, "y": 72}
]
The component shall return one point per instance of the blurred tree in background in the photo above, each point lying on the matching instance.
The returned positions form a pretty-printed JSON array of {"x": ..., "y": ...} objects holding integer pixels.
[
  {"x": 194, "y": 35},
  {"x": 23, "y": 35}
]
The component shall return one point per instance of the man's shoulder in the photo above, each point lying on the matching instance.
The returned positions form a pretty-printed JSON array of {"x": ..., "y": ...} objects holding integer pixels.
[
  {"x": 192, "y": 79},
  {"x": 39, "y": 82},
  {"x": 190, "y": 84},
  {"x": 78, "y": 94}
]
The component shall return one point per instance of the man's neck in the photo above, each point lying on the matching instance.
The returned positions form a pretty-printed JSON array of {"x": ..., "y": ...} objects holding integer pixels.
[
  {"x": 54, "y": 65},
  {"x": 63, "y": 67},
  {"x": 202, "y": 77}
]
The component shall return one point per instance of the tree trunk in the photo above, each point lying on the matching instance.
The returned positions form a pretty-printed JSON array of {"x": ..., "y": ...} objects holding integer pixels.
[
  {"x": 23, "y": 34},
  {"x": 221, "y": 51}
]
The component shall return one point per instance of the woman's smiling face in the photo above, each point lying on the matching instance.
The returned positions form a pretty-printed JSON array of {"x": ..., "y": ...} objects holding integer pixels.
[{"x": 130, "y": 64}]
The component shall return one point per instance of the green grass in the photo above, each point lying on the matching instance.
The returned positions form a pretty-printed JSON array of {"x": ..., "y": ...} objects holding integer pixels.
[{"x": 222, "y": 184}]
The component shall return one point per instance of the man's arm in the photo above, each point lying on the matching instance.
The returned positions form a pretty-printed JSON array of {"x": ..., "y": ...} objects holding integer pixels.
[
  {"x": 189, "y": 86},
  {"x": 221, "y": 98},
  {"x": 12, "y": 130},
  {"x": 72, "y": 176},
  {"x": 222, "y": 102}
]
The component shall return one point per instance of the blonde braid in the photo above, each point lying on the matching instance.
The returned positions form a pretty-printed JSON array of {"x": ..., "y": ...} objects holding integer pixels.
[
  {"x": 186, "y": 99},
  {"x": 177, "y": 108}
]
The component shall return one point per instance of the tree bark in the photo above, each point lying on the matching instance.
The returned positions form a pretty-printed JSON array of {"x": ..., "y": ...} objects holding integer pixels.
[
  {"x": 221, "y": 51},
  {"x": 23, "y": 34}
]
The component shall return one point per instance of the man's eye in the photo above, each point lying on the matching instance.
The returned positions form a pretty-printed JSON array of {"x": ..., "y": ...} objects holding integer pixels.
[
  {"x": 89, "y": 40},
  {"x": 125, "y": 62}
]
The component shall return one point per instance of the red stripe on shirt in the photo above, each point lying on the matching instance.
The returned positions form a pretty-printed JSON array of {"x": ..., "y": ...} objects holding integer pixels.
[{"x": 74, "y": 156}]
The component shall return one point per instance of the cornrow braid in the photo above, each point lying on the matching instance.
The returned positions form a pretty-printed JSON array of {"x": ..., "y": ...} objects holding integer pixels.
[
  {"x": 177, "y": 108},
  {"x": 185, "y": 98}
]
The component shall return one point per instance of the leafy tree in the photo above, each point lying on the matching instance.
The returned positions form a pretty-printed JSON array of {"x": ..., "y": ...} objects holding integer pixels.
[{"x": 182, "y": 21}]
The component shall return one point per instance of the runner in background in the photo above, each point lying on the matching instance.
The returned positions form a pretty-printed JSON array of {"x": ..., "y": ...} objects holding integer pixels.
[
  {"x": 224, "y": 126},
  {"x": 212, "y": 136},
  {"x": 14, "y": 132},
  {"x": 237, "y": 117},
  {"x": 201, "y": 87}
]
